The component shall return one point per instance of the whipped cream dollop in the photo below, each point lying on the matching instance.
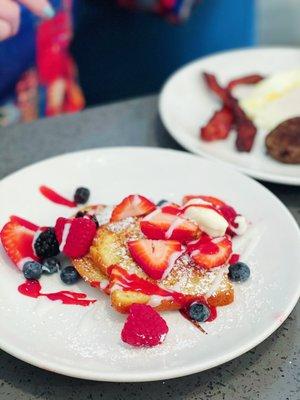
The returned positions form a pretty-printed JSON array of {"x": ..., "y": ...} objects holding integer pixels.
[{"x": 208, "y": 219}]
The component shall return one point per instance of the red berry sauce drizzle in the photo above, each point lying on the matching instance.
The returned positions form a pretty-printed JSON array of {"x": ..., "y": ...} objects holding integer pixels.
[
  {"x": 32, "y": 288},
  {"x": 234, "y": 259},
  {"x": 55, "y": 197}
]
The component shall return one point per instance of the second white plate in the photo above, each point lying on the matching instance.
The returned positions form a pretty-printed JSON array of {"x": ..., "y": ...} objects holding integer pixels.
[{"x": 186, "y": 105}]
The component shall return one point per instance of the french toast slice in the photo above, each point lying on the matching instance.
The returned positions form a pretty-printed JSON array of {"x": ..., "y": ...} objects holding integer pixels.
[{"x": 109, "y": 249}]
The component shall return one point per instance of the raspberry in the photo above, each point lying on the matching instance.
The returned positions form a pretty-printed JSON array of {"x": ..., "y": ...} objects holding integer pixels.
[
  {"x": 144, "y": 327},
  {"x": 75, "y": 235}
]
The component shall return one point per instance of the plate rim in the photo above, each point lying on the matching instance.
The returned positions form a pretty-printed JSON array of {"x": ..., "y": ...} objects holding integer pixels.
[
  {"x": 166, "y": 374},
  {"x": 264, "y": 176}
]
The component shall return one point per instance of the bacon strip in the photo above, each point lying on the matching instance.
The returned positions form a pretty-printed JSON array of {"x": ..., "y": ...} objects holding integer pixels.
[
  {"x": 245, "y": 80},
  {"x": 246, "y": 130}
]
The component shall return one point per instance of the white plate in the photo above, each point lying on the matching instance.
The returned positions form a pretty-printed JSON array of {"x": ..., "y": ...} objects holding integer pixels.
[
  {"x": 85, "y": 342},
  {"x": 186, "y": 104}
]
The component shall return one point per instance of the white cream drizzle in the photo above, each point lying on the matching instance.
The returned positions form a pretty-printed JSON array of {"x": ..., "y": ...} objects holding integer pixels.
[
  {"x": 65, "y": 235},
  {"x": 177, "y": 221},
  {"x": 171, "y": 263},
  {"x": 103, "y": 284},
  {"x": 155, "y": 300}
]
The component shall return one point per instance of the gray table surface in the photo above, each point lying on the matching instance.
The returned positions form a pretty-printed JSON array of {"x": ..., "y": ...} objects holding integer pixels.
[{"x": 269, "y": 372}]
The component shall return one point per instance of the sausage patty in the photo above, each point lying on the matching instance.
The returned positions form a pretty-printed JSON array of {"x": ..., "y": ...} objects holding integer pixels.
[{"x": 283, "y": 142}]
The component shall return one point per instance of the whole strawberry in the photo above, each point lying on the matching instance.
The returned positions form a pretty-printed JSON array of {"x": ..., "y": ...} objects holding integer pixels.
[
  {"x": 75, "y": 236},
  {"x": 144, "y": 327}
]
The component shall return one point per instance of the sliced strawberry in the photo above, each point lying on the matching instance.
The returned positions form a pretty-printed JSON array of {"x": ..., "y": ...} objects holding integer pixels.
[
  {"x": 171, "y": 208},
  {"x": 168, "y": 226},
  {"x": 24, "y": 222},
  {"x": 154, "y": 256},
  {"x": 132, "y": 206},
  {"x": 209, "y": 253},
  {"x": 17, "y": 241},
  {"x": 210, "y": 199}
]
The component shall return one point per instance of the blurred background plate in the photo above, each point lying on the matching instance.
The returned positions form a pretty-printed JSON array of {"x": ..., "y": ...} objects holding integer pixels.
[{"x": 186, "y": 105}]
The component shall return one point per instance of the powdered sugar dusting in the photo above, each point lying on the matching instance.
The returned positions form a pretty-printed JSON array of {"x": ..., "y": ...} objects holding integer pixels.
[
  {"x": 103, "y": 216},
  {"x": 186, "y": 278},
  {"x": 121, "y": 225},
  {"x": 65, "y": 235}
]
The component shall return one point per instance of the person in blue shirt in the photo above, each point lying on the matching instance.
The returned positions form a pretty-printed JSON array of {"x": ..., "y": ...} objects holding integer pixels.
[
  {"x": 124, "y": 53},
  {"x": 121, "y": 51}
]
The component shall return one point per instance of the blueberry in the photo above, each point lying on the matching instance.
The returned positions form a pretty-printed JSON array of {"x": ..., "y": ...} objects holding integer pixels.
[
  {"x": 162, "y": 202},
  {"x": 199, "y": 312},
  {"x": 239, "y": 272},
  {"x": 81, "y": 195},
  {"x": 32, "y": 270},
  {"x": 46, "y": 244},
  {"x": 50, "y": 266},
  {"x": 69, "y": 275}
]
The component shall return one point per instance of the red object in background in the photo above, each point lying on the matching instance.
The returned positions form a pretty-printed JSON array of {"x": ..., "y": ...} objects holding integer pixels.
[
  {"x": 53, "y": 39},
  {"x": 219, "y": 126},
  {"x": 27, "y": 96},
  {"x": 246, "y": 130},
  {"x": 56, "y": 68},
  {"x": 245, "y": 80}
]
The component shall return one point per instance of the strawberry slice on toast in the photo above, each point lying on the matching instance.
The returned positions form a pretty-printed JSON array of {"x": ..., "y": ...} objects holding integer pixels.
[
  {"x": 169, "y": 226},
  {"x": 210, "y": 253},
  {"x": 132, "y": 206},
  {"x": 209, "y": 199},
  {"x": 171, "y": 208},
  {"x": 154, "y": 256}
]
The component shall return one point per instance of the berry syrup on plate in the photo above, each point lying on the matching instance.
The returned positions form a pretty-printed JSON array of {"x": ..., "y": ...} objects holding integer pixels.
[
  {"x": 32, "y": 288},
  {"x": 53, "y": 196}
]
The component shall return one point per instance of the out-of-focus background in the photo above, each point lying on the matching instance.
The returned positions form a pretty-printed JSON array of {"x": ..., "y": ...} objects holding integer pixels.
[
  {"x": 273, "y": 22},
  {"x": 122, "y": 50},
  {"x": 278, "y": 22}
]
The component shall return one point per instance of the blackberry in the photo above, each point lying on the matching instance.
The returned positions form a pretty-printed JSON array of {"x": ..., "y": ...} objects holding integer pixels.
[
  {"x": 81, "y": 195},
  {"x": 46, "y": 244}
]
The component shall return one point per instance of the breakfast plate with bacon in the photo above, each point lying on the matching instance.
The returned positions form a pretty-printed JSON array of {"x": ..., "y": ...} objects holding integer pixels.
[
  {"x": 239, "y": 107},
  {"x": 125, "y": 269}
]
